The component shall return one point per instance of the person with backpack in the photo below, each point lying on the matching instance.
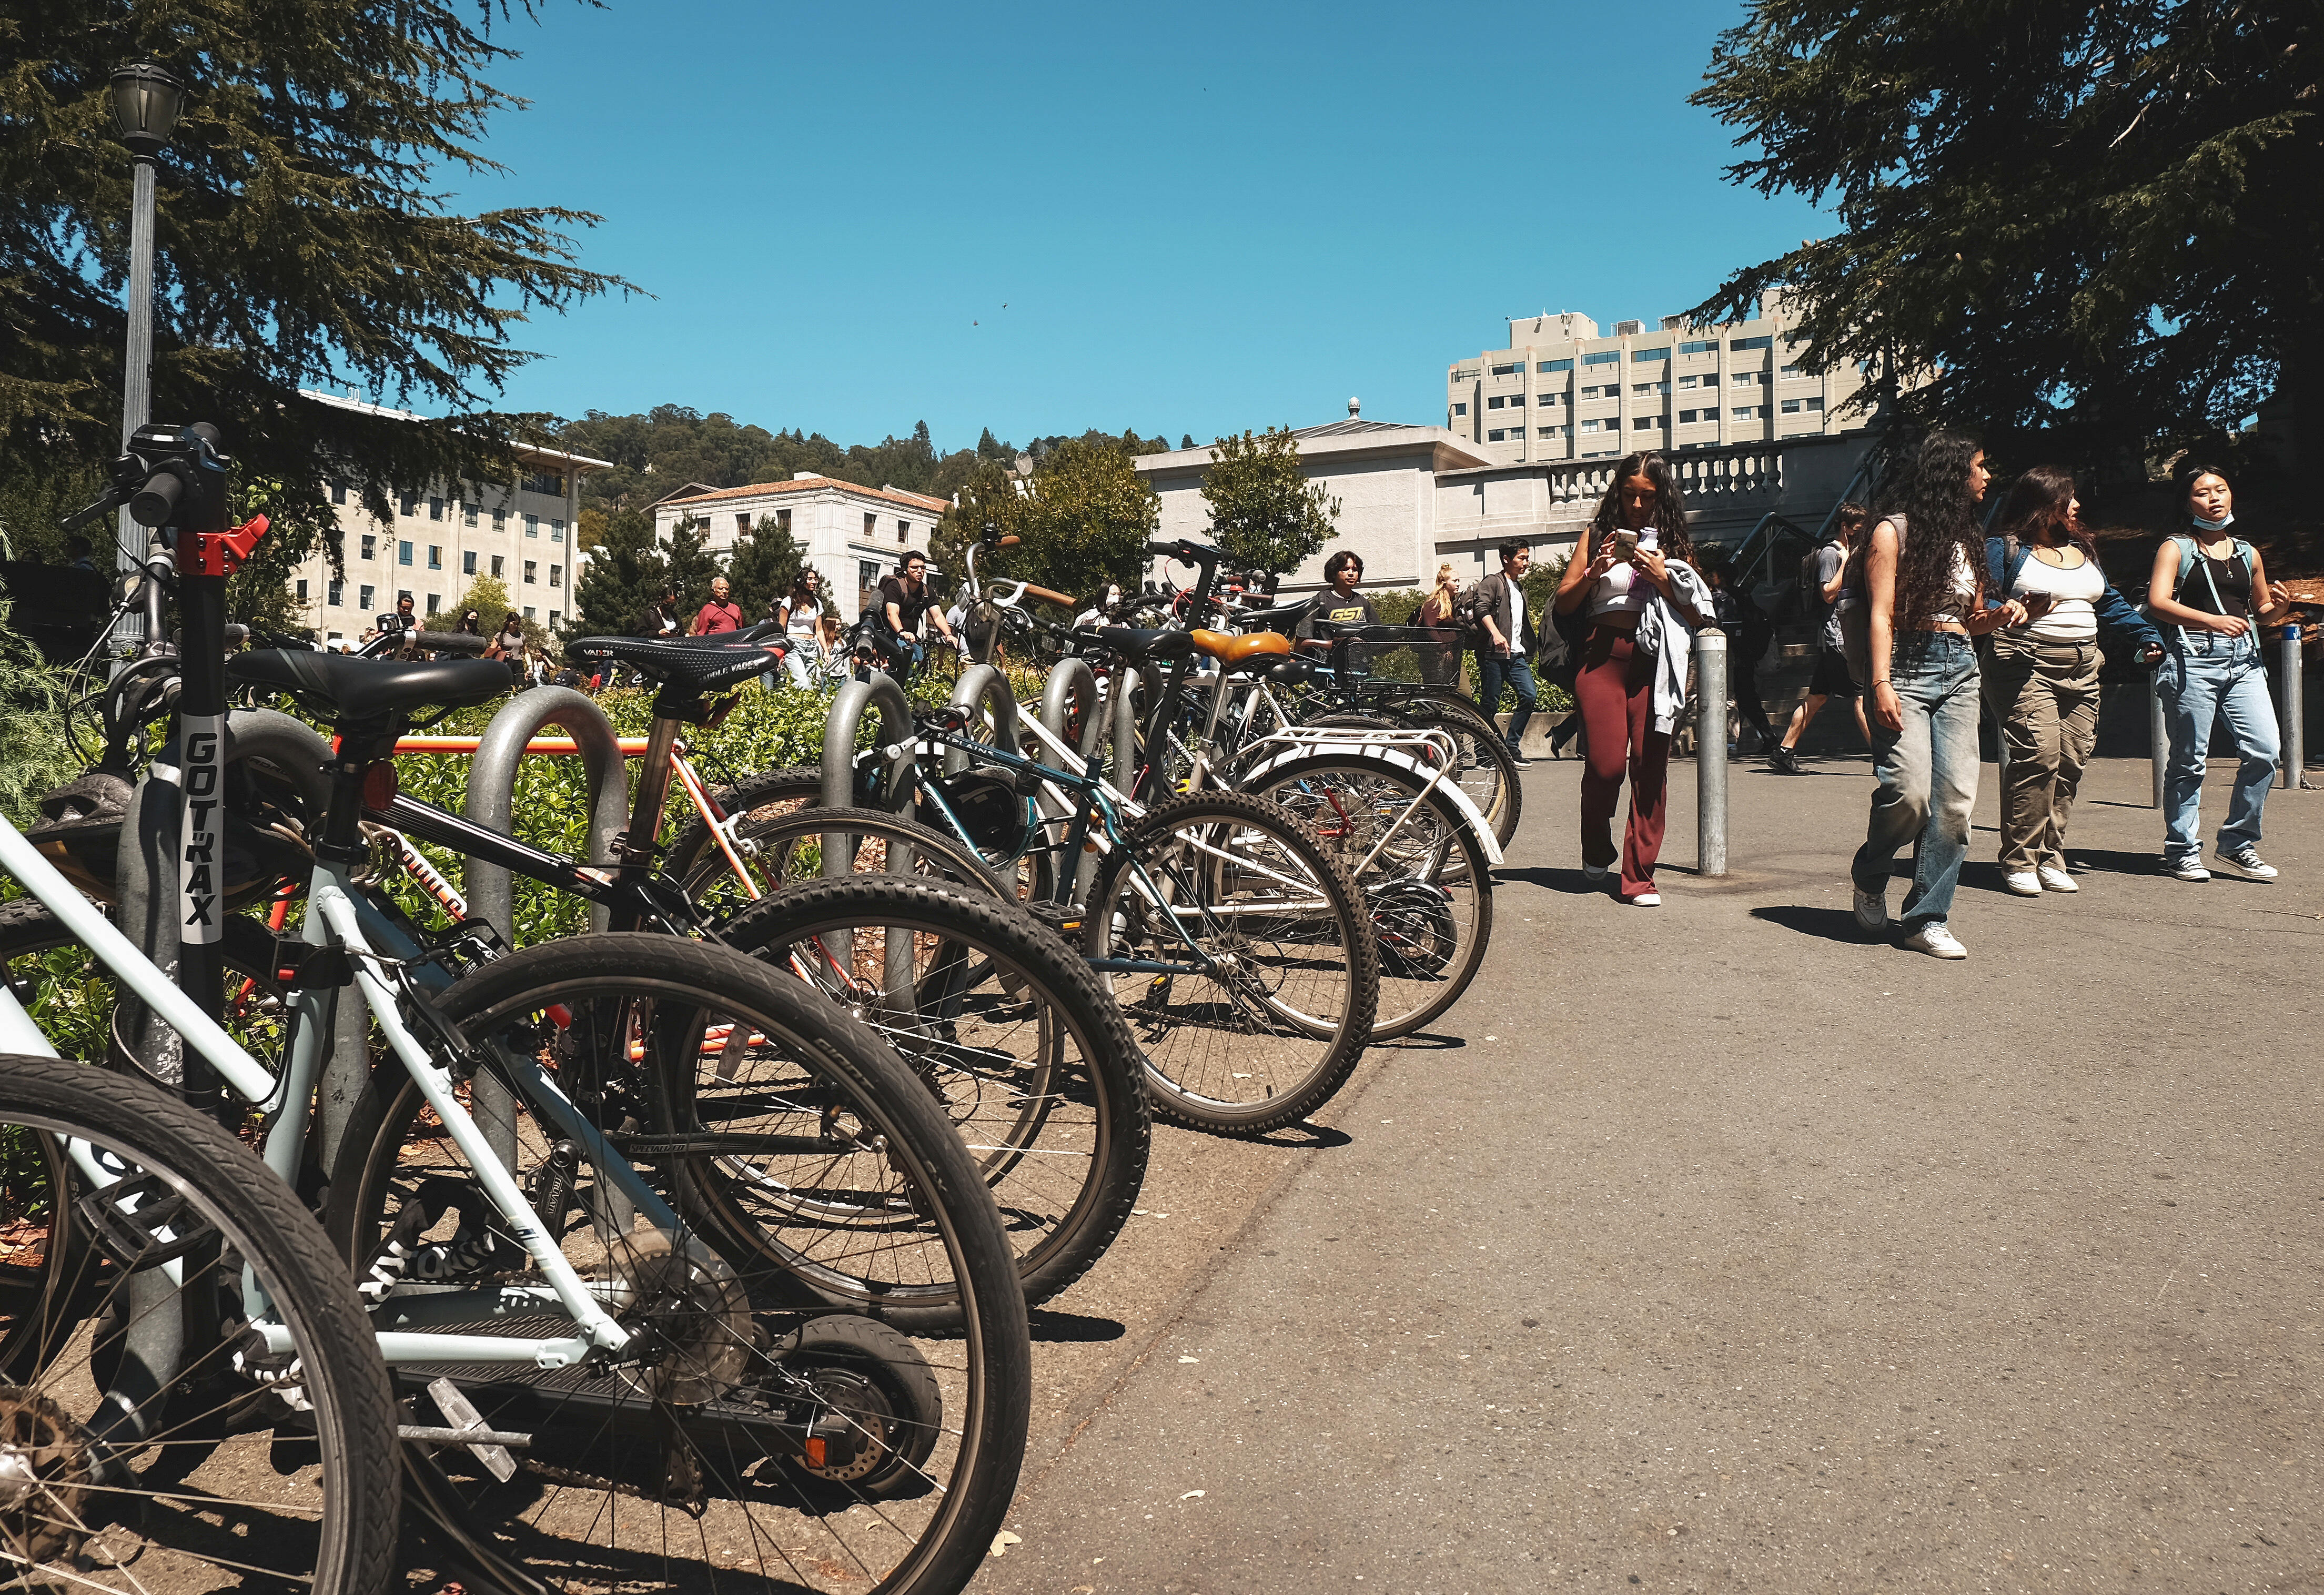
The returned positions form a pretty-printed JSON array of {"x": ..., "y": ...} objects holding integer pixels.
[
  {"x": 1924, "y": 591},
  {"x": 1644, "y": 600},
  {"x": 1505, "y": 641},
  {"x": 1822, "y": 596},
  {"x": 2042, "y": 678},
  {"x": 2209, "y": 592}
]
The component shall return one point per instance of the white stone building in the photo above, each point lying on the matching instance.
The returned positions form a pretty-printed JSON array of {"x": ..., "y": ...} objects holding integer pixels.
[
  {"x": 440, "y": 539},
  {"x": 853, "y": 535}
]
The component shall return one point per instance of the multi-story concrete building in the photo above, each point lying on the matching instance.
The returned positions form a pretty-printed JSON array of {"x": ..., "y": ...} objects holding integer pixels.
[
  {"x": 1560, "y": 390},
  {"x": 442, "y": 538},
  {"x": 853, "y": 535}
]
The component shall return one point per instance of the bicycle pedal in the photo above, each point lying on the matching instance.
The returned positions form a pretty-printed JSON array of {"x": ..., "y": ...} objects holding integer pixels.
[{"x": 464, "y": 1419}]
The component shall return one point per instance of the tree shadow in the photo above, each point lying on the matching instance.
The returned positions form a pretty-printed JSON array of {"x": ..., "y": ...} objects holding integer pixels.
[
  {"x": 1077, "y": 1328},
  {"x": 1831, "y": 924}
]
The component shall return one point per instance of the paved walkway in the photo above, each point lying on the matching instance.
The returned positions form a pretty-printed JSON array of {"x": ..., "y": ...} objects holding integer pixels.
[{"x": 1722, "y": 1251}]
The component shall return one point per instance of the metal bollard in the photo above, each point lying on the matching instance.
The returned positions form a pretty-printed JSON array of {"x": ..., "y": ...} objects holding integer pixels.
[
  {"x": 2295, "y": 754},
  {"x": 2158, "y": 731},
  {"x": 1710, "y": 751}
]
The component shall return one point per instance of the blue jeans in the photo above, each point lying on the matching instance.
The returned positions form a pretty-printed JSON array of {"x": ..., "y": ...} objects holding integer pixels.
[
  {"x": 1494, "y": 672},
  {"x": 1927, "y": 773},
  {"x": 2203, "y": 678}
]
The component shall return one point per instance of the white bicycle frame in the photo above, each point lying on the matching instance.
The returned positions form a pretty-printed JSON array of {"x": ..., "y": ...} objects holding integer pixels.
[{"x": 335, "y": 910}]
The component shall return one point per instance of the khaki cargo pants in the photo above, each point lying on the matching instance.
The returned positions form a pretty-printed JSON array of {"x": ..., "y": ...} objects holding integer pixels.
[{"x": 2046, "y": 696}]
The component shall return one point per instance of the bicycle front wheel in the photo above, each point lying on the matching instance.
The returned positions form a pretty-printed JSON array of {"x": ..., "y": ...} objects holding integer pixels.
[
  {"x": 766, "y": 1430},
  {"x": 1243, "y": 958},
  {"x": 194, "y": 1401}
]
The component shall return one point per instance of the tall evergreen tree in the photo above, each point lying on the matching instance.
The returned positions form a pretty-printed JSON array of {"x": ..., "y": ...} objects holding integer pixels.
[
  {"x": 304, "y": 238},
  {"x": 689, "y": 565},
  {"x": 626, "y": 572},
  {"x": 764, "y": 562}
]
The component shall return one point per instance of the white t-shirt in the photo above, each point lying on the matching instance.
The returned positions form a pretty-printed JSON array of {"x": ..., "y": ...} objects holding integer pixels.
[
  {"x": 2074, "y": 617},
  {"x": 803, "y": 615}
]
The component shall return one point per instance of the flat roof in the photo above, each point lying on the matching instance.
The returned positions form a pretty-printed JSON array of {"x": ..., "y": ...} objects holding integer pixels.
[{"x": 534, "y": 451}]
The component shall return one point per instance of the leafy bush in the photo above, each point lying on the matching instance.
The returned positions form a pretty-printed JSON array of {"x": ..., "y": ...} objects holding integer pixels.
[{"x": 35, "y": 756}]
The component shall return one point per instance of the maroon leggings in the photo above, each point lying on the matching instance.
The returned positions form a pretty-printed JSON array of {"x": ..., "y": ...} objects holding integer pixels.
[{"x": 1614, "y": 689}]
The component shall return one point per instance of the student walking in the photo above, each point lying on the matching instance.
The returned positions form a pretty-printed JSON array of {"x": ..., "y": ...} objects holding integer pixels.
[
  {"x": 2209, "y": 588},
  {"x": 1824, "y": 598},
  {"x": 1923, "y": 593},
  {"x": 1505, "y": 644},
  {"x": 1440, "y": 661},
  {"x": 799, "y": 614},
  {"x": 2042, "y": 678},
  {"x": 1645, "y": 602},
  {"x": 721, "y": 616}
]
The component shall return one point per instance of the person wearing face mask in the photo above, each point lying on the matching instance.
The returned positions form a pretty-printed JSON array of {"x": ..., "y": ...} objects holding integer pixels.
[
  {"x": 1645, "y": 601},
  {"x": 2042, "y": 678},
  {"x": 2209, "y": 592}
]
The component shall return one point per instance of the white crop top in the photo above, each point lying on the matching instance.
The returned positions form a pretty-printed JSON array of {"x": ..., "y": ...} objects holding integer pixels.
[{"x": 1624, "y": 586}]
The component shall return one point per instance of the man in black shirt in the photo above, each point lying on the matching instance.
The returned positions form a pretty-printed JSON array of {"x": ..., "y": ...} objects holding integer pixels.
[{"x": 904, "y": 598}]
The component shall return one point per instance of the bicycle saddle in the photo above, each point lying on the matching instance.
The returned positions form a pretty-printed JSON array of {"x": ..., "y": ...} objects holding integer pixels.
[
  {"x": 340, "y": 687},
  {"x": 1285, "y": 618},
  {"x": 1139, "y": 644},
  {"x": 1231, "y": 651},
  {"x": 695, "y": 666}
]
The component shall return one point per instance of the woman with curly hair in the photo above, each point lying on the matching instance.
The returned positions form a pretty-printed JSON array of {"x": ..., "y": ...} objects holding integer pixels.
[
  {"x": 1645, "y": 599},
  {"x": 1924, "y": 591}
]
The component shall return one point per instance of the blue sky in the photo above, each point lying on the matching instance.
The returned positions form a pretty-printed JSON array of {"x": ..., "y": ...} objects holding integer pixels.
[{"x": 1198, "y": 218}]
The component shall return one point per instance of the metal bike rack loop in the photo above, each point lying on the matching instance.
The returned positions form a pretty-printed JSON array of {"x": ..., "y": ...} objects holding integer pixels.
[
  {"x": 984, "y": 690},
  {"x": 886, "y": 700},
  {"x": 491, "y": 802}
]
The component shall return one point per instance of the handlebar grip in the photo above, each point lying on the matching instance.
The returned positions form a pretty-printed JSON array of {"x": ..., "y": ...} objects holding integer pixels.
[
  {"x": 1047, "y": 596},
  {"x": 1010, "y": 542},
  {"x": 152, "y": 504},
  {"x": 1163, "y": 550}
]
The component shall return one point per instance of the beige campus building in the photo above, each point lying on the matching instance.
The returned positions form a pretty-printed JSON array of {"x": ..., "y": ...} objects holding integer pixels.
[{"x": 1560, "y": 391}]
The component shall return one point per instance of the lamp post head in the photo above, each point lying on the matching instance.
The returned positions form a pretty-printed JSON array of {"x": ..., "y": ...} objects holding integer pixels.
[{"x": 146, "y": 100}]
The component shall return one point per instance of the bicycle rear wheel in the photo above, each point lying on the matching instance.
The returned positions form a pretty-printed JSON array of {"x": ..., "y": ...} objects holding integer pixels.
[
  {"x": 1004, "y": 1024},
  {"x": 1243, "y": 958},
  {"x": 1419, "y": 865},
  {"x": 771, "y": 1433},
  {"x": 155, "y": 1433}
]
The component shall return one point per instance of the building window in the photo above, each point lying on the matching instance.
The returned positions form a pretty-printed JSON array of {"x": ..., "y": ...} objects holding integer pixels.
[
  {"x": 1590, "y": 426},
  {"x": 435, "y": 555},
  {"x": 404, "y": 553},
  {"x": 366, "y": 592},
  {"x": 531, "y": 572},
  {"x": 556, "y": 576},
  {"x": 410, "y": 503},
  {"x": 1509, "y": 370},
  {"x": 500, "y": 519},
  {"x": 870, "y": 528},
  {"x": 1794, "y": 406},
  {"x": 302, "y": 592},
  {"x": 1661, "y": 353},
  {"x": 370, "y": 546},
  {"x": 903, "y": 529},
  {"x": 500, "y": 568},
  {"x": 1554, "y": 366},
  {"x": 528, "y": 612},
  {"x": 467, "y": 515},
  {"x": 1461, "y": 409},
  {"x": 338, "y": 492},
  {"x": 1688, "y": 381},
  {"x": 1751, "y": 343},
  {"x": 468, "y": 562},
  {"x": 337, "y": 592},
  {"x": 1746, "y": 378},
  {"x": 435, "y": 602},
  {"x": 1789, "y": 372},
  {"x": 1649, "y": 388},
  {"x": 1498, "y": 435},
  {"x": 1744, "y": 412},
  {"x": 1495, "y": 402},
  {"x": 742, "y": 524},
  {"x": 1707, "y": 345},
  {"x": 556, "y": 531},
  {"x": 532, "y": 526},
  {"x": 551, "y": 483},
  {"x": 1604, "y": 357},
  {"x": 1646, "y": 423},
  {"x": 1687, "y": 417},
  {"x": 1553, "y": 431},
  {"x": 553, "y": 618},
  {"x": 435, "y": 509},
  {"x": 1516, "y": 402},
  {"x": 783, "y": 521},
  {"x": 867, "y": 586}
]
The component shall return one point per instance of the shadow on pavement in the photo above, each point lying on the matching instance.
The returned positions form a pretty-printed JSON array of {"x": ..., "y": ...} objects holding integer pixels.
[
  {"x": 1570, "y": 882},
  {"x": 1424, "y": 1041},
  {"x": 1312, "y": 1137},
  {"x": 1832, "y": 925},
  {"x": 2114, "y": 862},
  {"x": 1073, "y": 1326}
]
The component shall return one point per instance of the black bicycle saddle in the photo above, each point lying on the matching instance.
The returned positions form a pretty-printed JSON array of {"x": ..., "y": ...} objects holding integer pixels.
[
  {"x": 340, "y": 687},
  {"x": 695, "y": 666}
]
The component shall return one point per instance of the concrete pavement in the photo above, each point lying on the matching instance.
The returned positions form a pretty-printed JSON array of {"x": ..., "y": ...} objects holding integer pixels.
[{"x": 1714, "y": 1249}]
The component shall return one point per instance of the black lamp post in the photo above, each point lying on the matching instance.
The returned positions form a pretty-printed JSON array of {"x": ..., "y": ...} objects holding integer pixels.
[{"x": 146, "y": 100}]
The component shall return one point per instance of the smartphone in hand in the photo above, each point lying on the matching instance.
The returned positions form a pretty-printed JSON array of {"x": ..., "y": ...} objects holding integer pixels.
[{"x": 1626, "y": 539}]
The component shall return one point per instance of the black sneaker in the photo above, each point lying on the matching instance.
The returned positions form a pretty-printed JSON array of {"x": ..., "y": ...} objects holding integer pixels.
[
  {"x": 1520, "y": 760},
  {"x": 1784, "y": 760}
]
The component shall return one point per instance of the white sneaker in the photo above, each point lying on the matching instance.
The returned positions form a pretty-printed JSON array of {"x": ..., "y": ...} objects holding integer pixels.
[
  {"x": 2054, "y": 878},
  {"x": 2187, "y": 868},
  {"x": 2248, "y": 860},
  {"x": 1872, "y": 910},
  {"x": 1647, "y": 900},
  {"x": 1935, "y": 940},
  {"x": 2025, "y": 883}
]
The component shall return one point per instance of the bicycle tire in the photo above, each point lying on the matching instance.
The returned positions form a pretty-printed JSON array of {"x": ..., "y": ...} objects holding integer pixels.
[
  {"x": 782, "y": 846},
  {"x": 1491, "y": 778},
  {"x": 1061, "y": 1134},
  {"x": 1313, "y": 1047},
  {"x": 213, "y": 1437},
  {"x": 1430, "y": 894},
  {"x": 884, "y": 1131}
]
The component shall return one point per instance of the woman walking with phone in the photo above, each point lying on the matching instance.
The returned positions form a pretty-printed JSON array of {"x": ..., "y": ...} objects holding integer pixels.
[
  {"x": 1923, "y": 590},
  {"x": 2209, "y": 588},
  {"x": 2041, "y": 677},
  {"x": 1645, "y": 602}
]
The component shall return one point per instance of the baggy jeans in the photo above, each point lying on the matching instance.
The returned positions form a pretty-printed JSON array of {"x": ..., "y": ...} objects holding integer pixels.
[
  {"x": 1515, "y": 671},
  {"x": 2204, "y": 678},
  {"x": 1927, "y": 774},
  {"x": 2046, "y": 696}
]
